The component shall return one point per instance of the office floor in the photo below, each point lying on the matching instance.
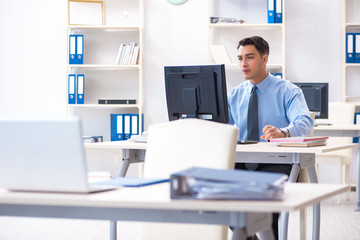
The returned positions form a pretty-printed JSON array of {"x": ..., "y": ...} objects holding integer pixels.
[{"x": 339, "y": 222}]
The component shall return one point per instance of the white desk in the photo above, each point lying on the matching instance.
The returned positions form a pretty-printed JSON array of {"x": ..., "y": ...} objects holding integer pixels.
[
  {"x": 262, "y": 152},
  {"x": 153, "y": 204},
  {"x": 351, "y": 130}
]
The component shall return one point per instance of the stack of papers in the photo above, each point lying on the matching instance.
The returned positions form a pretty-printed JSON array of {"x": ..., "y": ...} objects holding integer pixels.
[
  {"x": 206, "y": 183},
  {"x": 300, "y": 141}
]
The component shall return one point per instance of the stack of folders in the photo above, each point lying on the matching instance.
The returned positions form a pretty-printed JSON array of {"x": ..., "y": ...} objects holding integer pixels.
[
  {"x": 352, "y": 47},
  {"x": 207, "y": 183},
  {"x": 76, "y": 49},
  {"x": 76, "y": 84},
  {"x": 300, "y": 141},
  {"x": 128, "y": 54},
  {"x": 274, "y": 11},
  {"x": 123, "y": 126}
]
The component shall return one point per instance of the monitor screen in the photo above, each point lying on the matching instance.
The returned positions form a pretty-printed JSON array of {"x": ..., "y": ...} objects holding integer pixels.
[
  {"x": 196, "y": 92},
  {"x": 317, "y": 97}
]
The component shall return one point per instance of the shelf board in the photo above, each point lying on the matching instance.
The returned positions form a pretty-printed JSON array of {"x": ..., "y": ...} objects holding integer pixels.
[
  {"x": 103, "y": 66},
  {"x": 352, "y": 24},
  {"x": 104, "y": 27},
  {"x": 104, "y": 105},
  {"x": 352, "y": 65},
  {"x": 268, "y": 65},
  {"x": 353, "y": 100},
  {"x": 245, "y": 25}
]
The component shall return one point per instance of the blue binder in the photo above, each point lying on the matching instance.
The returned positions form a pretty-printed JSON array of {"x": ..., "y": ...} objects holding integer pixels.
[
  {"x": 117, "y": 127},
  {"x": 79, "y": 49},
  {"x": 71, "y": 89},
  {"x": 349, "y": 48},
  {"x": 80, "y": 83},
  {"x": 278, "y": 11},
  {"x": 278, "y": 75},
  {"x": 357, "y": 48},
  {"x": 356, "y": 121},
  {"x": 72, "y": 49},
  {"x": 134, "y": 124},
  {"x": 127, "y": 126},
  {"x": 271, "y": 11}
]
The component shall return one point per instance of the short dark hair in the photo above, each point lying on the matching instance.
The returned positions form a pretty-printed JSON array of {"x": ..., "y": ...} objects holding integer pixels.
[{"x": 259, "y": 43}]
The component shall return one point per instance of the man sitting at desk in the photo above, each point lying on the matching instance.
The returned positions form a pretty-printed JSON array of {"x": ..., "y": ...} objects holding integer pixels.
[{"x": 265, "y": 106}]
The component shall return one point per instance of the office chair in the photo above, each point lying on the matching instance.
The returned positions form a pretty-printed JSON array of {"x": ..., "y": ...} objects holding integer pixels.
[
  {"x": 339, "y": 114},
  {"x": 182, "y": 144}
]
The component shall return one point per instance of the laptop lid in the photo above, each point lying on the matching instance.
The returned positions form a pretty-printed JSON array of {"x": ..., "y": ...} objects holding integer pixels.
[{"x": 39, "y": 154}]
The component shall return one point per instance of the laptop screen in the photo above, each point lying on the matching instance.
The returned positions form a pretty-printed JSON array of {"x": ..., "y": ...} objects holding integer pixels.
[{"x": 42, "y": 154}]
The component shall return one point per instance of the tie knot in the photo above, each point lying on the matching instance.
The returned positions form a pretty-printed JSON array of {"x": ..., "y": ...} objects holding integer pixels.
[{"x": 253, "y": 89}]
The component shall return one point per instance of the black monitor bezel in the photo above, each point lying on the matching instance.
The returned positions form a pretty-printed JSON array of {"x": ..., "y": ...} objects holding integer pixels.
[
  {"x": 324, "y": 86},
  {"x": 220, "y": 86}
]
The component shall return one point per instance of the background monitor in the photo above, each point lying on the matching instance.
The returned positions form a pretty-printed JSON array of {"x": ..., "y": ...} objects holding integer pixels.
[
  {"x": 317, "y": 97},
  {"x": 197, "y": 92}
]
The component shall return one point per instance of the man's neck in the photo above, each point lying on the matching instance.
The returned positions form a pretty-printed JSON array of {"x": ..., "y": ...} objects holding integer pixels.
[{"x": 260, "y": 79}]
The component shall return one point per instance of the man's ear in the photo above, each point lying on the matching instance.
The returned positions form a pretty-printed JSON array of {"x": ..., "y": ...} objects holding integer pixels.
[{"x": 265, "y": 59}]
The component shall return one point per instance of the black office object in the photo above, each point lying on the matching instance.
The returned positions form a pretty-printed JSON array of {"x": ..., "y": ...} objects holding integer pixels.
[
  {"x": 197, "y": 92},
  {"x": 117, "y": 101},
  {"x": 317, "y": 97}
]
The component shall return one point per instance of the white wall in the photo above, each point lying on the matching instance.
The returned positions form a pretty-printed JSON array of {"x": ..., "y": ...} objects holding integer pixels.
[
  {"x": 174, "y": 35},
  {"x": 33, "y": 50},
  {"x": 178, "y": 35},
  {"x": 32, "y": 57},
  {"x": 33, "y": 47}
]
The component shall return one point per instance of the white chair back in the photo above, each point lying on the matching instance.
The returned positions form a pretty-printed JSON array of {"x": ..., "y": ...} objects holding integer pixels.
[
  {"x": 181, "y": 144},
  {"x": 342, "y": 114}
]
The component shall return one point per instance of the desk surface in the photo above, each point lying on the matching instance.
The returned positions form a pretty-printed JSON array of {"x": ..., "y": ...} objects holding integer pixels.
[
  {"x": 338, "y": 127},
  {"x": 259, "y": 147},
  {"x": 157, "y": 196}
]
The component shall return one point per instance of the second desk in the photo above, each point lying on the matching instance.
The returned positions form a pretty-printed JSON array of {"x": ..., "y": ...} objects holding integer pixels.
[{"x": 262, "y": 152}]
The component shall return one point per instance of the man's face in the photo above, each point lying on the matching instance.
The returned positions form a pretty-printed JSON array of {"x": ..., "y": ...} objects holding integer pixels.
[{"x": 252, "y": 64}]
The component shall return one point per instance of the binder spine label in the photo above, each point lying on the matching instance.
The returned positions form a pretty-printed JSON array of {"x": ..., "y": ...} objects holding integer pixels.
[
  {"x": 71, "y": 89},
  {"x": 117, "y": 127},
  {"x": 349, "y": 47},
  {"x": 80, "y": 89},
  {"x": 271, "y": 12}
]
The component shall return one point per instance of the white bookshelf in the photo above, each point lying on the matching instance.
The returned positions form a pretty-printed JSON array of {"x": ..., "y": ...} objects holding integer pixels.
[
  {"x": 123, "y": 22},
  {"x": 254, "y": 15},
  {"x": 350, "y": 71}
]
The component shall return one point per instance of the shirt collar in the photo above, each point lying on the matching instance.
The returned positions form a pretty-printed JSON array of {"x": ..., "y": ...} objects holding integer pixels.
[{"x": 263, "y": 84}]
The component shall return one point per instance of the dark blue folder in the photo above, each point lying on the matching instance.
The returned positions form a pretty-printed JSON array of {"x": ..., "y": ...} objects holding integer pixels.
[{"x": 131, "y": 182}]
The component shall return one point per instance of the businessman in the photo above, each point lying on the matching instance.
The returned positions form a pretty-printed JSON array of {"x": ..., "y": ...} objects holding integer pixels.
[{"x": 265, "y": 107}]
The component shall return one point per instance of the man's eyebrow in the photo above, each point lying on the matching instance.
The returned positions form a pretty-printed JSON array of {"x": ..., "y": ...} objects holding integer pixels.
[{"x": 246, "y": 54}]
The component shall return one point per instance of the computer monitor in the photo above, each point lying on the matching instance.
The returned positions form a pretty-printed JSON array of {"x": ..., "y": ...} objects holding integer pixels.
[
  {"x": 317, "y": 97},
  {"x": 197, "y": 92}
]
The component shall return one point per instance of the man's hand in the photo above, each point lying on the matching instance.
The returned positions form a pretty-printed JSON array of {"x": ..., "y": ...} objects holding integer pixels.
[{"x": 271, "y": 132}]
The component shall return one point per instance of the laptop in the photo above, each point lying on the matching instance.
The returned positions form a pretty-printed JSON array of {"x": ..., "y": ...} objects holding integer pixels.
[{"x": 43, "y": 154}]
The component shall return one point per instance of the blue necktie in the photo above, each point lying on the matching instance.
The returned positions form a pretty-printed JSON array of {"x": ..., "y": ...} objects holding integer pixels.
[
  {"x": 252, "y": 123},
  {"x": 252, "y": 120}
]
